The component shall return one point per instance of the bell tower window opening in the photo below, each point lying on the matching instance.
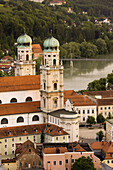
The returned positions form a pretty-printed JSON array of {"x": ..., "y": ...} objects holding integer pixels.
[
  {"x": 27, "y": 57},
  {"x": 44, "y": 86},
  {"x": 49, "y": 55},
  {"x": 45, "y": 61},
  {"x": 55, "y": 103},
  {"x": 55, "y": 86},
  {"x": 44, "y": 101},
  {"x": 54, "y": 62}
]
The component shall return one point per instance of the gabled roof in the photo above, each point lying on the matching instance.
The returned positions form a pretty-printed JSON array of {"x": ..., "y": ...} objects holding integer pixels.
[
  {"x": 18, "y": 83},
  {"x": 36, "y": 129},
  {"x": 78, "y": 148},
  {"x": 19, "y": 108},
  {"x": 36, "y": 48},
  {"x": 55, "y": 150},
  {"x": 98, "y": 145}
]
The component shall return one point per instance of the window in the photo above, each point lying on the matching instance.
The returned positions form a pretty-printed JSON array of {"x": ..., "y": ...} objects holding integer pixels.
[
  {"x": 20, "y": 119},
  {"x": 26, "y": 164},
  {"x": 5, "y": 153},
  {"x": 12, "y": 139},
  {"x": 83, "y": 118},
  {"x": 92, "y": 111},
  {"x": 13, "y": 152},
  {"x": 55, "y": 86},
  {"x": 44, "y": 86},
  {"x": 83, "y": 111},
  {"x": 66, "y": 168},
  {"x": 27, "y": 138},
  {"x": 34, "y": 137},
  {"x": 56, "y": 138},
  {"x": 35, "y": 118},
  {"x": 20, "y": 139},
  {"x": 66, "y": 161},
  {"x": 55, "y": 103},
  {"x": 27, "y": 57},
  {"x": 60, "y": 162},
  {"x": 88, "y": 111},
  {"x": 45, "y": 61},
  {"x": 44, "y": 100},
  {"x": 54, "y": 162},
  {"x": 54, "y": 55},
  {"x": 13, "y": 100},
  {"x": 64, "y": 137},
  {"x": 105, "y": 108},
  {"x": 108, "y": 162},
  {"x": 0, "y": 101},
  {"x": 33, "y": 163},
  {"x": 5, "y": 146},
  {"x": 20, "y": 164},
  {"x": 54, "y": 62},
  {"x": 108, "y": 107},
  {"x": 79, "y": 111},
  {"x": 4, "y": 121},
  {"x": 5, "y": 140},
  {"x": 101, "y": 108},
  {"x": 49, "y": 55},
  {"x": 72, "y": 160},
  {"x": 112, "y": 161},
  {"x": 29, "y": 99}
]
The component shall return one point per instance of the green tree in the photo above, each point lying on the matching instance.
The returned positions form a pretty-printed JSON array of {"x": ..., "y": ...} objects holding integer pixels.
[
  {"x": 109, "y": 116},
  {"x": 100, "y": 118},
  {"x": 88, "y": 50},
  {"x": 100, "y": 135},
  {"x": 90, "y": 120},
  {"x": 83, "y": 163},
  {"x": 110, "y": 79},
  {"x": 101, "y": 45},
  {"x": 97, "y": 85}
]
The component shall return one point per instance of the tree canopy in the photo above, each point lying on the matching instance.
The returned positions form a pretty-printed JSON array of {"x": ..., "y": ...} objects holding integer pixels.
[{"x": 83, "y": 163}]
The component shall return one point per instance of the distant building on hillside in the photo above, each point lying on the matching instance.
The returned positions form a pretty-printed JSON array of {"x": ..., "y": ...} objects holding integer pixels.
[
  {"x": 57, "y": 2},
  {"x": 39, "y": 1}
]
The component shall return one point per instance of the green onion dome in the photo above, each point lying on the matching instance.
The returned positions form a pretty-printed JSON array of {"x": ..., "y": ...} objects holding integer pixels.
[
  {"x": 24, "y": 40},
  {"x": 51, "y": 44}
]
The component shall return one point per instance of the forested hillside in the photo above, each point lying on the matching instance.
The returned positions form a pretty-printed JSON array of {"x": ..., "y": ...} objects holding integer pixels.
[{"x": 37, "y": 20}]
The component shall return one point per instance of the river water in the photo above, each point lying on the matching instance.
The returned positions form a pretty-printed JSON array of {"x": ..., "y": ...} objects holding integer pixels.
[{"x": 83, "y": 72}]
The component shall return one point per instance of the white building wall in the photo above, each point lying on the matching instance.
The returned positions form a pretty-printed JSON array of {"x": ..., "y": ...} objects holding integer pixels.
[
  {"x": 21, "y": 96},
  {"x": 12, "y": 119}
]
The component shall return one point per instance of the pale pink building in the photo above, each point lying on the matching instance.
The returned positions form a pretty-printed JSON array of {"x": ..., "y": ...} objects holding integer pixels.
[{"x": 62, "y": 156}]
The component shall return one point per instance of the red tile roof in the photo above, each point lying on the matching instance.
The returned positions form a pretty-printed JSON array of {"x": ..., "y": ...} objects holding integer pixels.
[
  {"x": 54, "y": 150},
  {"x": 101, "y": 102},
  {"x": 98, "y": 145},
  {"x": 19, "y": 108},
  {"x": 104, "y": 94},
  {"x": 36, "y": 48},
  {"x": 32, "y": 130},
  {"x": 19, "y": 83},
  {"x": 7, "y": 58}
]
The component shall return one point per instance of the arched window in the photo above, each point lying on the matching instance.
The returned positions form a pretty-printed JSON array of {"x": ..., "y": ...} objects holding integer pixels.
[
  {"x": 44, "y": 100},
  {"x": 29, "y": 99},
  {"x": 0, "y": 101},
  {"x": 35, "y": 118},
  {"x": 55, "y": 102},
  {"x": 4, "y": 121},
  {"x": 13, "y": 100},
  {"x": 55, "y": 86},
  {"x": 20, "y": 119},
  {"x": 27, "y": 57},
  {"x": 54, "y": 62},
  {"x": 45, "y": 61},
  {"x": 44, "y": 86}
]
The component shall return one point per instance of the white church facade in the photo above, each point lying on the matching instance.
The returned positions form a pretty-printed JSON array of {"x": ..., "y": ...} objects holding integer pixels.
[{"x": 29, "y": 99}]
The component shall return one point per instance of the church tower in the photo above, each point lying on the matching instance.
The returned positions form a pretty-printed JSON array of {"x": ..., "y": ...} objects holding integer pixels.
[
  {"x": 51, "y": 75},
  {"x": 24, "y": 64}
]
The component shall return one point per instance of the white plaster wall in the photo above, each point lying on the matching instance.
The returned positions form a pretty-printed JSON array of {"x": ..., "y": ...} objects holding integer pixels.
[
  {"x": 21, "y": 96},
  {"x": 12, "y": 119}
]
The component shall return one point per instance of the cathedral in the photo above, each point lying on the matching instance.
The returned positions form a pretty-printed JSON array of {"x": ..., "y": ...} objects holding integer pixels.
[{"x": 29, "y": 99}]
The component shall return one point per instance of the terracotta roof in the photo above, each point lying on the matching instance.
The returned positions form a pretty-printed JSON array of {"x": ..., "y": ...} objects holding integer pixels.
[
  {"x": 9, "y": 160},
  {"x": 32, "y": 130},
  {"x": 98, "y": 145},
  {"x": 19, "y": 108},
  {"x": 101, "y": 102},
  {"x": 55, "y": 150},
  {"x": 3, "y": 66},
  {"x": 36, "y": 48},
  {"x": 80, "y": 100},
  {"x": 69, "y": 93},
  {"x": 78, "y": 148},
  {"x": 7, "y": 58},
  {"x": 104, "y": 94},
  {"x": 19, "y": 83}
]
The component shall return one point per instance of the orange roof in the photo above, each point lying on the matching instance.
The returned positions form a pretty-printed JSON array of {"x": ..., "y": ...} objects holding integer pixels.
[
  {"x": 80, "y": 100},
  {"x": 101, "y": 102},
  {"x": 69, "y": 93},
  {"x": 3, "y": 66},
  {"x": 98, "y": 145},
  {"x": 78, "y": 148},
  {"x": 31, "y": 130},
  {"x": 19, "y": 83},
  {"x": 36, "y": 48},
  {"x": 54, "y": 150},
  {"x": 7, "y": 58},
  {"x": 19, "y": 108},
  {"x": 104, "y": 94}
]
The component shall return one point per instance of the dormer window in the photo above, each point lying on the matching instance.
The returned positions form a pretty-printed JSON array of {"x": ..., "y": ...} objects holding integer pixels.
[
  {"x": 9, "y": 133},
  {"x": 25, "y": 131},
  {"x": 35, "y": 130}
]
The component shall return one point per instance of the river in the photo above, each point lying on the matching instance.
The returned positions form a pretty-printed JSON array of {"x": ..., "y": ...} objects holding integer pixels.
[{"x": 84, "y": 72}]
